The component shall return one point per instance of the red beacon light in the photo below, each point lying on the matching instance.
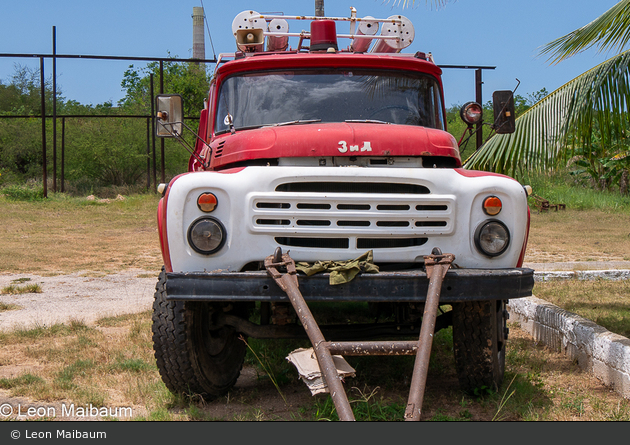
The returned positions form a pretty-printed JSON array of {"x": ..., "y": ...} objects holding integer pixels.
[{"x": 323, "y": 35}]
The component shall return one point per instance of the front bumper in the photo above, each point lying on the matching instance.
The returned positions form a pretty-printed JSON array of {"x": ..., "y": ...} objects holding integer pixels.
[{"x": 460, "y": 285}]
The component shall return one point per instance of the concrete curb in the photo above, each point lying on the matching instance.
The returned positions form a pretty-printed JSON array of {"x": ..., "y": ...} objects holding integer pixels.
[
  {"x": 598, "y": 351},
  {"x": 612, "y": 274}
]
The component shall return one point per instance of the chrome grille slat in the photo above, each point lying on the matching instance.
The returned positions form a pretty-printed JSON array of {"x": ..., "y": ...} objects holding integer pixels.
[{"x": 362, "y": 219}]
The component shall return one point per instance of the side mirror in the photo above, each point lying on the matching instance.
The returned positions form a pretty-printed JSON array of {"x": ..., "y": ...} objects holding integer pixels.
[
  {"x": 504, "y": 116},
  {"x": 170, "y": 115}
]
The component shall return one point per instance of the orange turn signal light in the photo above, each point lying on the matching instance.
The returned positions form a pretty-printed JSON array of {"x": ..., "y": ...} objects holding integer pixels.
[
  {"x": 207, "y": 202},
  {"x": 492, "y": 205}
]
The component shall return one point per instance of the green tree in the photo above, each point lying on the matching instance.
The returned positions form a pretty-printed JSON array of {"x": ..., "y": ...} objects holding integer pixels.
[
  {"x": 457, "y": 127},
  {"x": 191, "y": 80},
  {"x": 22, "y": 94},
  {"x": 587, "y": 117}
]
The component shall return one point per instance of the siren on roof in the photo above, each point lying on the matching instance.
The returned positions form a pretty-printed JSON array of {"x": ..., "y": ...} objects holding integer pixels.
[
  {"x": 367, "y": 28},
  {"x": 278, "y": 42},
  {"x": 248, "y": 28},
  {"x": 395, "y": 26}
]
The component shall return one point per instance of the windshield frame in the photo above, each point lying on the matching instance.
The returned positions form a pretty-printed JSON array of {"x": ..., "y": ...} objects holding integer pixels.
[{"x": 427, "y": 82}]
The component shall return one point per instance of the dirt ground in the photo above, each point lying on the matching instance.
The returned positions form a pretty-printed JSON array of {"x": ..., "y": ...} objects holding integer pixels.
[
  {"x": 561, "y": 382},
  {"x": 255, "y": 398}
]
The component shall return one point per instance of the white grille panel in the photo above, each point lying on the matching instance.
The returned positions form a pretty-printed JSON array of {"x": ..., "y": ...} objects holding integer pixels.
[{"x": 352, "y": 216}]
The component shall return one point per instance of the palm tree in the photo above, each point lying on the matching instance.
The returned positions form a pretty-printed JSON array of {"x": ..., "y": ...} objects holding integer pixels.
[{"x": 587, "y": 116}]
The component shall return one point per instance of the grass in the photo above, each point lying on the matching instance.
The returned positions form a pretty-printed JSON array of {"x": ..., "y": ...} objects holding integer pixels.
[
  {"x": 112, "y": 364},
  {"x": 63, "y": 234},
  {"x": 97, "y": 365},
  {"x": 8, "y": 307},
  {"x": 27, "y": 289},
  {"x": 559, "y": 187},
  {"x": 604, "y": 302},
  {"x": 578, "y": 235}
]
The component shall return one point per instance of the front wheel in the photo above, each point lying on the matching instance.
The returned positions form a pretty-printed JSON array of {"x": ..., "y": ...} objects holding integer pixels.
[
  {"x": 194, "y": 352},
  {"x": 479, "y": 341}
]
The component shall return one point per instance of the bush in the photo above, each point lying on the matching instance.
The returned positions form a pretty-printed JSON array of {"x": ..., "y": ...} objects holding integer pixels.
[{"x": 23, "y": 192}]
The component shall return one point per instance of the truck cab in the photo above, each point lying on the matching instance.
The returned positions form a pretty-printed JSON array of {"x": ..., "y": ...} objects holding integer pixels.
[{"x": 332, "y": 155}]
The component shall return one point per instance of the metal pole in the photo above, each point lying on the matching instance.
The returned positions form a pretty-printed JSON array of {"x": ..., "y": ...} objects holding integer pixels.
[
  {"x": 319, "y": 8},
  {"x": 54, "y": 110},
  {"x": 479, "y": 99},
  {"x": 324, "y": 357},
  {"x": 43, "y": 97},
  {"x": 289, "y": 283},
  {"x": 437, "y": 265},
  {"x": 148, "y": 153},
  {"x": 153, "y": 135},
  {"x": 162, "y": 139},
  {"x": 63, "y": 153}
]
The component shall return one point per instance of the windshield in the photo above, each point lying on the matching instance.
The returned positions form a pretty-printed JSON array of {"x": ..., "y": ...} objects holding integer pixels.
[{"x": 289, "y": 97}]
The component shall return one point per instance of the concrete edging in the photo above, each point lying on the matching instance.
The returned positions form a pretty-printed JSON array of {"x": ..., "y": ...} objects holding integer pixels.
[{"x": 598, "y": 351}]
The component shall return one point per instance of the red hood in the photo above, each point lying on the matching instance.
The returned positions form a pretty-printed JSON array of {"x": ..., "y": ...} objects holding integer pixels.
[{"x": 331, "y": 139}]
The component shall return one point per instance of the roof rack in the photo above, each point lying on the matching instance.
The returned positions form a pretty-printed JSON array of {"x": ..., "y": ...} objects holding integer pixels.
[{"x": 251, "y": 29}]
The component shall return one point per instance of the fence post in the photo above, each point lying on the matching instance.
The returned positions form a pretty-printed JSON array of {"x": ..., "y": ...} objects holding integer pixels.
[
  {"x": 43, "y": 97},
  {"x": 153, "y": 135},
  {"x": 162, "y": 139},
  {"x": 54, "y": 110},
  {"x": 63, "y": 153},
  {"x": 148, "y": 153},
  {"x": 479, "y": 99}
]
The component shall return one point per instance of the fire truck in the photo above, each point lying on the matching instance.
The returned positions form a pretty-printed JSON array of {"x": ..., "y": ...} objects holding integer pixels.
[{"x": 332, "y": 159}]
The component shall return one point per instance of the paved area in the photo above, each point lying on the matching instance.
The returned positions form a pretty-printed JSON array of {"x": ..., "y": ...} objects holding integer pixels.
[
  {"x": 76, "y": 296},
  {"x": 579, "y": 265}
]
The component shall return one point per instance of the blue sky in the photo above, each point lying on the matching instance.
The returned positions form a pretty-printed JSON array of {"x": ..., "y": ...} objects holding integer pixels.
[{"x": 502, "y": 33}]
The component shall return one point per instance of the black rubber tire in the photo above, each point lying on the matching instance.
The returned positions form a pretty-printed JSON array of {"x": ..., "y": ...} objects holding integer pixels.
[
  {"x": 195, "y": 357},
  {"x": 479, "y": 341}
]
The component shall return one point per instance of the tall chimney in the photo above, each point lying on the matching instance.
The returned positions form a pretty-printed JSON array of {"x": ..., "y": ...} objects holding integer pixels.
[{"x": 199, "y": 46}]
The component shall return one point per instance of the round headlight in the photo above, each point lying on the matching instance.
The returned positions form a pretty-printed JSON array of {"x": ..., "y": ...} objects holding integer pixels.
[
  {"x": 206, "y": 235},
  {"x": 492, "y": 238}
]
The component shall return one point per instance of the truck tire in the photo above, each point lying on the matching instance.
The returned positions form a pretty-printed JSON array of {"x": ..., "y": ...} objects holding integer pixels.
[
  {"x": 479, "y": 338},
  {"x": 195, "y": 357}
]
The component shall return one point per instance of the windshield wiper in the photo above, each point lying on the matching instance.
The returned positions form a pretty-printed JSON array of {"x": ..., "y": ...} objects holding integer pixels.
[
  {"x": 299, "y": 121},
  {"x": 280, "y": 124},
  {"x": 365, "y": 121}
]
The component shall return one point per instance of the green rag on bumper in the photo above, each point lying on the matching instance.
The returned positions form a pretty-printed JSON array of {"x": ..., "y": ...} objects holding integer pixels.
[{"x": 341, "y": 271}]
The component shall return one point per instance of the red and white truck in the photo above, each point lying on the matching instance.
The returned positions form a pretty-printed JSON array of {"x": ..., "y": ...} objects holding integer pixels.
[{"x": 331, "y": 154}]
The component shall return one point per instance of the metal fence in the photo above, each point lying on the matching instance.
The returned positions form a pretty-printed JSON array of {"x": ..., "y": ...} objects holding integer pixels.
[{"x": 150, "y": 119}]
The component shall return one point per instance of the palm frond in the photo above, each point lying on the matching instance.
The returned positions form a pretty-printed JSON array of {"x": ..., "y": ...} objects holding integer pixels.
[
  {"x": 405, "y": 3},
  {"x": 611, "y": 30},
  {"x": 597, "y": 100}
]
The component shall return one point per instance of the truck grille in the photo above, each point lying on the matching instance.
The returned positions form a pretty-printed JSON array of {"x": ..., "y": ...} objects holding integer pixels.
[{"x": 351, "y": 215}]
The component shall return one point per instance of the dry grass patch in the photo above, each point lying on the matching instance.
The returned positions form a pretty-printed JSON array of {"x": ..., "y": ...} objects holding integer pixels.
[
  {"x": 572, "y": 235},
  {"x": 71, "y": 235},
  {"x": 9, "y": 307},
  {"x": 604, "y": 302},
  {"x": 13, "y": 289},
  {"x": 112, "y": 365},
  {"x": 103, "y": 365}
]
